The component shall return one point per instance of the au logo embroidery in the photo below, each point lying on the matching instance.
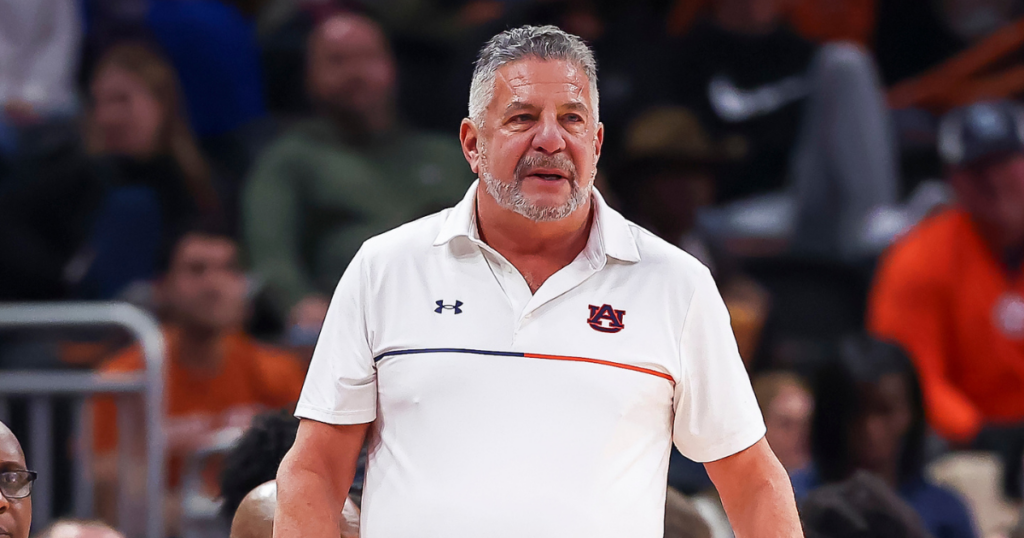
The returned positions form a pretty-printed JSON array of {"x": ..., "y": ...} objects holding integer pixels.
[
  {"x": 606, "y": 319},
  {"x": 441, "y": 307}
]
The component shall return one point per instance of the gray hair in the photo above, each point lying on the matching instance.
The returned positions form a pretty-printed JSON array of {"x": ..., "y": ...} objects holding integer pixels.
[{"x": 543, "y": 42}]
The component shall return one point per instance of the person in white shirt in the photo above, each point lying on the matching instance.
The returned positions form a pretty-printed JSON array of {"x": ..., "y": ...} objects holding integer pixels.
[{"x": 522, "y": 363}]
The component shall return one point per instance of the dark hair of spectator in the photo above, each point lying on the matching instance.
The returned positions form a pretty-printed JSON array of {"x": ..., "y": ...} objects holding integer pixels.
[
  {"x": 861, "y": 360},
  {"x": 256, "y": 457},
  {"x": 862, "y": 506},
  {"x": 175, "y": 137},
  {"x": 205, "y": 226}
]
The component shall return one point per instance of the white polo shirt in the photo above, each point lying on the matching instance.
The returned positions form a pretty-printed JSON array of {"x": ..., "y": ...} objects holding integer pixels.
[{"x": 500, "y": 413}]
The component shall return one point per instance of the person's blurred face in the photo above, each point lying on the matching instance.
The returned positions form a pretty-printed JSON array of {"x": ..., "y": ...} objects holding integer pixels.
[
  {"x": 878, "y": 434},
  {"x": 993, "y": 193},
  {"x": 15, "y": 514},
  {"x": 127, "y": 116},
  {"x": 350, "y": 68},
  {"x": 204, "y": 287},
  {"x": 539, "y": 144},
  {"x": 788, "y": 420}
]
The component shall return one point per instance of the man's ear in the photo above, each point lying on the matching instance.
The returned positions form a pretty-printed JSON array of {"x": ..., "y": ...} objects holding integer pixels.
[
  {"x": 469, "y": 136},
  {"x": 598, "y": 142}
]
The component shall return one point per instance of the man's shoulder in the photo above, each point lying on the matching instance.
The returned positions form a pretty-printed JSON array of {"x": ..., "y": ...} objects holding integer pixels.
[
  {"x": 406, "y": 241},
  {"x": 658, "y": 255}
]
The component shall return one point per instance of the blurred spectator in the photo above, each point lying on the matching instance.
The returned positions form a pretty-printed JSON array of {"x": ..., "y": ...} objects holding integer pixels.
[
  {"x": 217, "y": 378},
  {"x": 255, "y": 457},
  {"x": 812, "y": 117},
  {"x": 39, "y": 42},
  {"x": 15, "y": 487},
  {"x": 88, "y": 225},
  {"x": 213, "y": 47},
  {"x": 335, "y": 181},
  {"x": 247, "y": 481},
  {"x": 860, "y": 507},
  {"x": 787, "y": 407},
  {"x": 69, "y": 528},
  {"x": 868, "y": 415},
  {"x": 951, "y": 291},
  {"x": 670, "y": 174},
  {"x": 681, "y": 519}
]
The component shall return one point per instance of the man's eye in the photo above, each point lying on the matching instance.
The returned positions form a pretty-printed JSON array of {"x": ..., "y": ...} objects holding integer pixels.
[
  {"x": 521, "y": 118},
  {"x": 573, "y": 118}
]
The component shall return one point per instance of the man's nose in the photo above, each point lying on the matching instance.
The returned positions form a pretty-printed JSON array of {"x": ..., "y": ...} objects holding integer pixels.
[{"x": 549, "y": 138}]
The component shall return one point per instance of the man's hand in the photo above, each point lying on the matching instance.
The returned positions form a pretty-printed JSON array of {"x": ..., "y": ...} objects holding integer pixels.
[
  {"x": 314, "y": 479},
  {"x": 756, "y": 493}
]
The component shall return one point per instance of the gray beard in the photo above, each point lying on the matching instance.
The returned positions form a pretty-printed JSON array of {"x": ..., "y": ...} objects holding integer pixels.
[{"x": 509, "y": 195}]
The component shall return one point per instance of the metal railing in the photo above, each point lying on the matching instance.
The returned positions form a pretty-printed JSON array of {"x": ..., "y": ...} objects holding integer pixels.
[{"x": 41, "y": 387}]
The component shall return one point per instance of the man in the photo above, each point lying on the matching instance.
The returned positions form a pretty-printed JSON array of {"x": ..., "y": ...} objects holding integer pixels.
[
  {"x": 15, "y": 487},
  {"x": 951, "y": 291},
  {"x": 216, "y": 376},
  {"x": 334, "y": 181},
  {"x": 528, "y": 357}
]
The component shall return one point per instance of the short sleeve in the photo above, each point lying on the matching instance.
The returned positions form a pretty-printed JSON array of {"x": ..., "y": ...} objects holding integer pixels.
[
  {"x": 341, "y": 383},
  {"x": 716, "y": 414}
]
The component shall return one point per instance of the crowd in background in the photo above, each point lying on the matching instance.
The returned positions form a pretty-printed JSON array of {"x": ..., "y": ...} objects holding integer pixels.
[{"x": 852, "y": 172}]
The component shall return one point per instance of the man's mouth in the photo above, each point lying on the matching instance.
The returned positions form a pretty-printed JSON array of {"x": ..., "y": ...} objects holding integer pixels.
[{"x": 547, "y": 174}]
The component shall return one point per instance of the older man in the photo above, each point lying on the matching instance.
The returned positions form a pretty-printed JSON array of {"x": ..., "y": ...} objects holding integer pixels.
[
  {"x": 351, "y": 173},
  {"x": 528, "y": 357},
  {"x": 15, "y": 487}
]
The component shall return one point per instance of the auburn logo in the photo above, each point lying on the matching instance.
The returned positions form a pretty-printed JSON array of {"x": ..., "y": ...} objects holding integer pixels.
[{"x": 606, "y": 319}]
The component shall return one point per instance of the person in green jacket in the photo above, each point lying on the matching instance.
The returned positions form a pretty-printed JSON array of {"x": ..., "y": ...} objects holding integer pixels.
[{"x": 351, "y": 173}]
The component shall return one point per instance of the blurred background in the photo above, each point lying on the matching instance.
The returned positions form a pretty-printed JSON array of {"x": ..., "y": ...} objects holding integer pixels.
[{"x": 182, "y": 183}]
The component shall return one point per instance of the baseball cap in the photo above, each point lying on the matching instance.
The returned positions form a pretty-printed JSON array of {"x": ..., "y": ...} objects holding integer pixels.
[{"x": 979, "y": 131}]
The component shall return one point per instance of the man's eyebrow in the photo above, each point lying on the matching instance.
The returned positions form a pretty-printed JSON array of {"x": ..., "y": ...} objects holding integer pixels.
[
  {"x": 576, "y": 107},
  {"x": 519, "y": 106}
]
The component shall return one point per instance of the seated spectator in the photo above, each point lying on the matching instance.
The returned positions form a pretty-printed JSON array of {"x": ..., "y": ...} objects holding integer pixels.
[
  {"x": 860, "y": 507},
  {"x": 69, "y": 528},
  {"x": 86, "y": 226},
  {"x": 15, "y": 487},
  {"x": 812, "y": 117},
  {"x": 868, "y": 416},
  {"x": 217, "y": 378},
  {"x": 951, "y": 291},
  {"x": 670, "y": 174},
  {"x": 320, "y": 191},
  {"x": 787, "y": 407},
  {"x": 247, "y": 481}
]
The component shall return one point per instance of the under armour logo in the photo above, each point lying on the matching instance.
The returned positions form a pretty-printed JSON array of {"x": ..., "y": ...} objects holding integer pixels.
[
  {"x": 599, "y": 315},
  {"x": 441, "y": 307}
]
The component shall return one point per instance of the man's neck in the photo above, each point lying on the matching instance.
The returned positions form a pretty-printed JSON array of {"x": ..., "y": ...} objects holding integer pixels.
[
  {"x": 200, "y": 349},
  {"x": 537, "y": 249}
]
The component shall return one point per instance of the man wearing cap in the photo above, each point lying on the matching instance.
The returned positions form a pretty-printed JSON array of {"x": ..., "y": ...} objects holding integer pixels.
[
  {"x": 952, "y": 291},
  {"x": 523, "y": 362}
]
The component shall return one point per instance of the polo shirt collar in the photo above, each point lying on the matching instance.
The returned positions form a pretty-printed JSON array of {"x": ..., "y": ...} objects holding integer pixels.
[{"x": 610, "y": 234}]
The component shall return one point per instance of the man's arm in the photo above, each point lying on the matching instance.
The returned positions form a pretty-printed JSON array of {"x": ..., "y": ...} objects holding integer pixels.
[
  {"x": 756, "y": 493},
  {"x": 314, "y": 479}
]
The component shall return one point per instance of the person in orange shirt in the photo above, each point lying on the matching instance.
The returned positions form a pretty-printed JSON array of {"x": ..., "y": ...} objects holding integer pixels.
[
  {"x": 217, "y": 377},
  {"x": 952, "y": 291}
]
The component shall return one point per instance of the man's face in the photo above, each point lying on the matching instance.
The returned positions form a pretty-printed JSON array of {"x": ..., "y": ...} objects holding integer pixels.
[
  {"x": 204, "y": 287},
  {"x": 993, "y": 193},
  {"x": 15, "y": 514},
  {"x": 539, "y": 144},
  {"x": 351, "y": 71},
  {"x": 788, "y": 420}
]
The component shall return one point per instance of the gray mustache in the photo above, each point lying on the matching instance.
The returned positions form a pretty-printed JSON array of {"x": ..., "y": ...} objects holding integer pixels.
[{"x": 558, "y": 161}]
